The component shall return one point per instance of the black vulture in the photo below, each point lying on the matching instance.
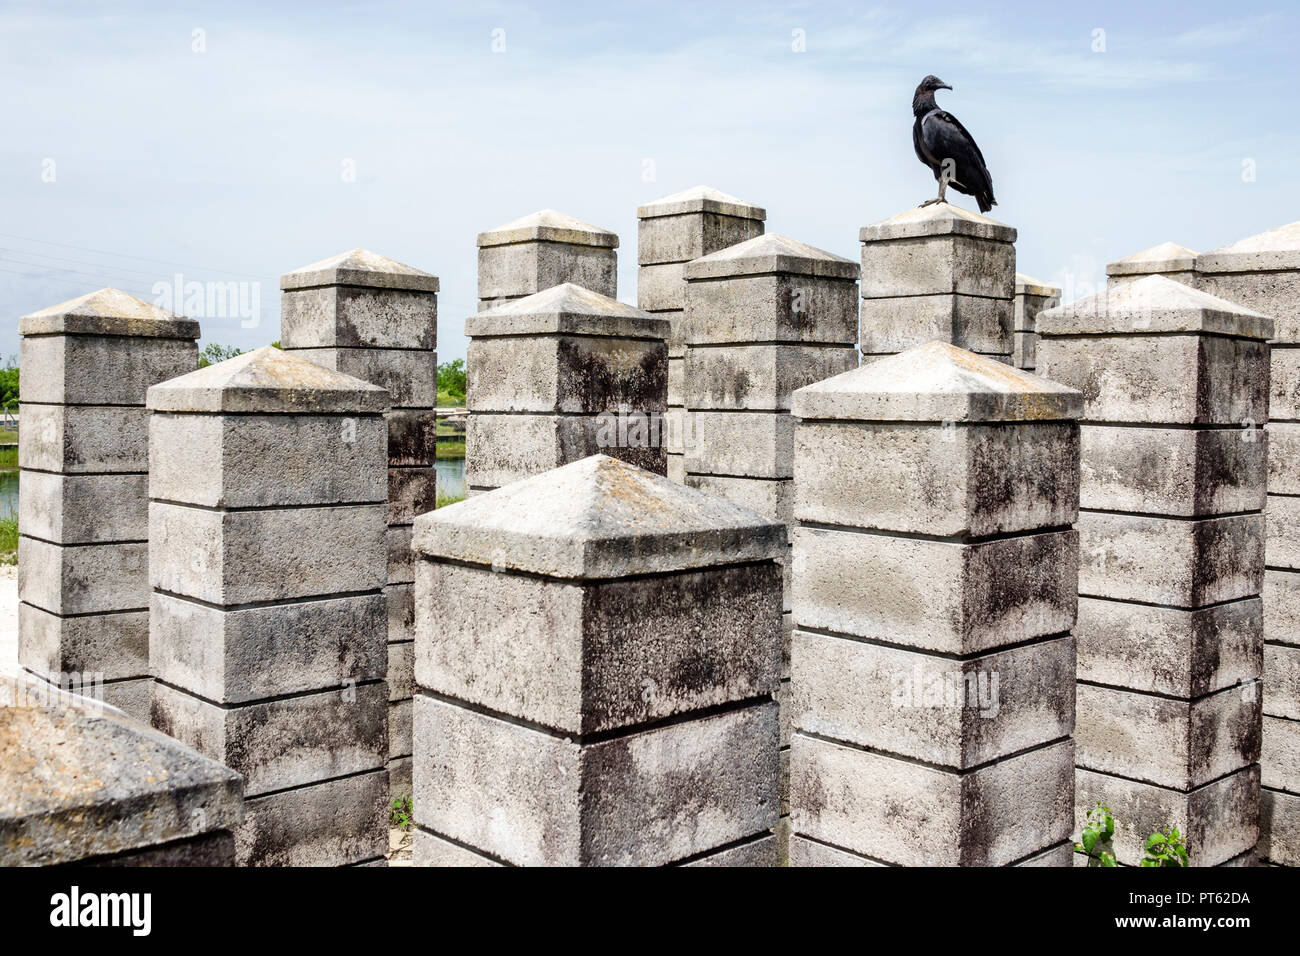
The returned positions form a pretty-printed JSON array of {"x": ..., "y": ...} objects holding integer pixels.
[{"x": 941, "y": 140}]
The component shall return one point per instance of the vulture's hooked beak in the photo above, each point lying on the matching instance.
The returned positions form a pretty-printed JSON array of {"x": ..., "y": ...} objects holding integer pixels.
[{"x": 943, "y": 86}]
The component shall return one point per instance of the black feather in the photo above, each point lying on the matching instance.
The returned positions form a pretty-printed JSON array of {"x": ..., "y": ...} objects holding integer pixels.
[{"x": 938, "y": 135}]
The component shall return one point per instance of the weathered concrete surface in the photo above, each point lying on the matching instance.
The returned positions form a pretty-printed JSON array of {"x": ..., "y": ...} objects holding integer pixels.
[
  {"x": 1279, "y": 827},
  {"x": 83, "y": 509},
  {"x": 83, "y": 439},
  {"x": 83, "y": 579},
  {"x": 93, "y": 369},
  {"x": 693, "y": 223},
  {"x": 1282, "y": 681},
  {"x": 1170, "y": 651},
  {"x": 1219, "y": 820},
  {"x": 548, "y": 654},
  {"x": 970, "y": 480},
  {"x": 1167, "y": 259},
  {"x": 1182, "y": 472},
  {"x": 1261, "y": 272},
  {"x": 502, "y": 449},
  {"x": 759, "y": 376},
  {"x": 924, "y": 816},
  {"x": 646, "y": 798},
  {"x": 947, "y": 712},
  {"x": 979, "y": 324},
  {"x": 318, "y": 825},
  {"x": 1182, "y": 563},
  {"x": 79, "y": 781},
  {"x": 1280, "y": 759},
  {"x": 754, "y": 444},
  {"x": 1180, "y": 744},
  {"x": 935, "y": 595},
  {"x": 115, "y": 645}
]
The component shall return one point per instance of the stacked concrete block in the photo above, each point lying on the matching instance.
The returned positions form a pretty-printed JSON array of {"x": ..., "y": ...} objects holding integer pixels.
[
  {"x": 558, "y": 376},
  {"x": 83, "y": 568},
  {"x": 673, "y": 231},
  {"x": 81, "y": 783},
  {"x": 542, "y": 250},
  {"x": 268, "y": 622},
  {"x": 1167, "y": 259},
  {"x": 597, "y": 649},
  {"x": 1171, "y": 529},
  {"x": 934, "y": 596},
  {"x": 1263, "y": 273},
  {"x": 763, "y": 318},
  {"x": 938, "y": 273},
  {"x": 1032, "y": 297},
  {"x": 377, "y": 320}
]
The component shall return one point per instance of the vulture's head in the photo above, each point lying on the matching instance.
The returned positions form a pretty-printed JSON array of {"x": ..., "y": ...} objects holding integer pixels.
[{"x": 930, "y": 84}]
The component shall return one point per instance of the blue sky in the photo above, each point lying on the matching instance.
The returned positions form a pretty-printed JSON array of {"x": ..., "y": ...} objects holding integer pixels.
[{"x": 228, "y": 164}]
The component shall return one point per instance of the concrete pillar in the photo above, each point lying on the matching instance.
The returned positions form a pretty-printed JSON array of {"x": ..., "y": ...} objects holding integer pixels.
[
  {"x": 1263, "y": 273},
  {"x": 268, "y": 623},
  {"x": 377, "y": 320},
  {"x": 934, "y": 594},
  {"x": 83, "y": 568},
  {"x": 671, "y": 232},
  {"x": 596, "y": 653},
  {"x": 938, "y": 272},
  {"x": 79, "y": 783},
  {"x": 1171, "y": 552},
  {"x": 1167, "y": 259},
  {"x": 1032, "y": 297},
  {"x": 763, "y": 318},
  {"x": 558, "y": 376},
  {"x": 542, "y": 250}
]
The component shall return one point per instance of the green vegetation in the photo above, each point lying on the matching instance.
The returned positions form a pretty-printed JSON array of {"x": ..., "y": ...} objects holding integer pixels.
[
  {"x": 450, "y": 449},
  {"x": 213, "y": 353},
  {"x": 451, "y": 383},
  {"x": 399, "y": 817},
  {"x": 8, "y": 540},
  {"x": 1163, "y": 848},
  {"x": 9, "y": 457},
  {"x": 443, "y": 500},
  {"x": 9, "y": 385}
]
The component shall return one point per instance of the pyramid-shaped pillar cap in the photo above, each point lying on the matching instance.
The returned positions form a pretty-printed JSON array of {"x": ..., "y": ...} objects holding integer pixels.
[
  {"x": 79, "y": 779},
  {"x": 108, "y": 312},
  {"x": 547, "y": 225},
  {"x": 700, "y": 199},
  {"x": 937, "y": 382},
  {"x": 937, "y": 219},
  {"x": 1028, "y": 285},
  {"x": 270, "y": 381},
  {"x": 567, "y": 309},
  {"x": 768, "y": 254},
  {"x": 1153, "y": 304},
  {"x": 1166, "y": 257},
  {"x": 1272, "y": 250},
  {"x": 359, "y": 267},
  {"x": 597, "y": 518}
]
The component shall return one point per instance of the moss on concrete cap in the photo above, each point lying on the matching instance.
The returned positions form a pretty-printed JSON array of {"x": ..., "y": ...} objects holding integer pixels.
[
  {"x": 937, "y": 382},
  {"x": 937, "y": 219},
  {"x": 771, "y": 254},
  {"x": 78, "y": 779},
  {"x": 567, "y": 309},
  {"x": 597, "y": 518},
  {"x": 269, "y": 381},
  {"x": 547, "y": 225},
  {"x": 108, "y": 312},
  {"x": 700, "y": 199},
  {"x": 359, "y": 267},
  {"x": 1153, "y": 304}
]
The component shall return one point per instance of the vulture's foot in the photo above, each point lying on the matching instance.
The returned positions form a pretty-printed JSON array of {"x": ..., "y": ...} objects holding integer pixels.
[{"x": 930, "y": 202}]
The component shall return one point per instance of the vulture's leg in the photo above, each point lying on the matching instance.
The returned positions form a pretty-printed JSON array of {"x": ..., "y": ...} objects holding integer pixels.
[{"x": 943, "y": 187}]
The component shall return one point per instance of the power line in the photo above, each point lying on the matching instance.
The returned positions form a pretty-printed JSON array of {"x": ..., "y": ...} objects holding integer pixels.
[
  {"x": 122, "y": 255},
  {"x": 153, "y": 274}
]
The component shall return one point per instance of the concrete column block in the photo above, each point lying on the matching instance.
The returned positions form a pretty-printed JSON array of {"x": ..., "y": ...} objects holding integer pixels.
[
  {"x": 693, "y": 223},
  {"x": 1178, "y": 472},
  {"x": 934, "y": 592},
  {"x": 755, "y": 444},
  {"x": 1280, "y": 758},
  {"x": 1282, "y": 681},
  {"x": 1261, "y": 273},
  {"x": 542, "y": 250},
  {"x": 83, "y": 515},
  {"x": 1171, "y": 651},
  {"x": 560, "y": 375},
  {"x": 82, "y": 784},
  {"x": 1182, "y": 563},
  {"x": 937, "y": 272},
  {"x": 268, "y": 625},
  {"x": 632, "y": 720},
  {"x": 1032, "y": 297},
  {"x": 1279, "y": 827},
  {"x": 759, "y": 377},
  {"x": 1174, "y": 262}
]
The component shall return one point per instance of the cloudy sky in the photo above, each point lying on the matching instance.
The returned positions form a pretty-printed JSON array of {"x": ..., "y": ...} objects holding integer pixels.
[{"x": 238, "y": 140}]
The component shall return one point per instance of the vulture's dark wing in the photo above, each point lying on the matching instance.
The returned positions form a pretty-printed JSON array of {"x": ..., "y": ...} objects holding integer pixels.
[{"x": 946, "y": 138}]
